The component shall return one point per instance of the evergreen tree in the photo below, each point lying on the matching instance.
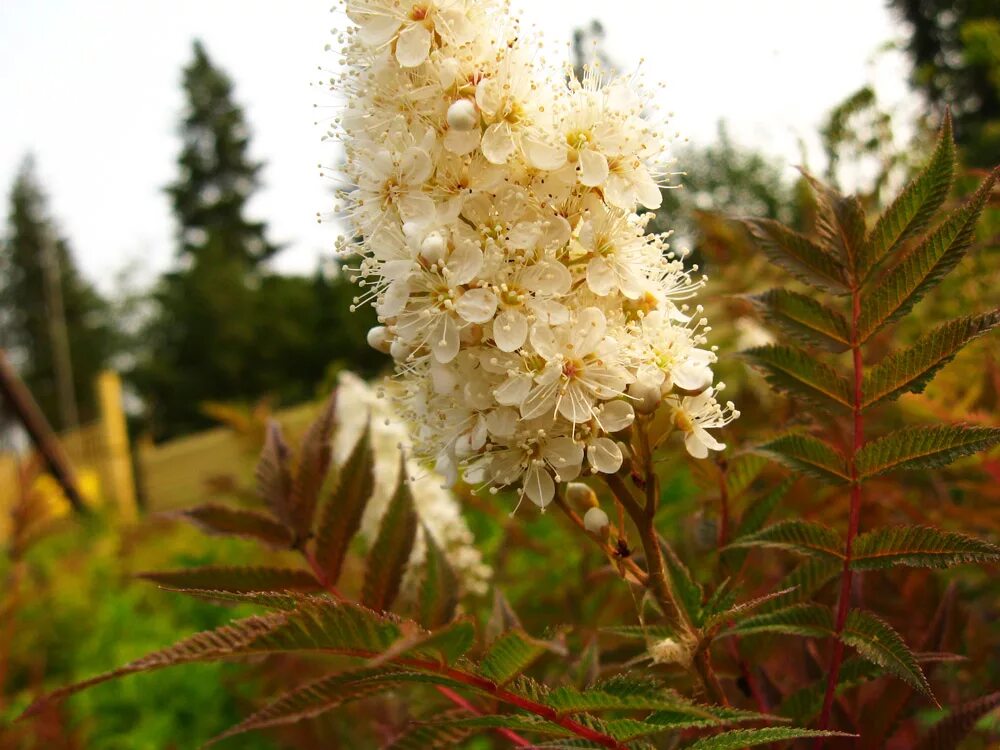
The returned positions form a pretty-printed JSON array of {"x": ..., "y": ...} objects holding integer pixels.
[
  {"x": 955, "y": 50},
  {"x": 224, "y": 328},
  {"x": 38, "y": 277}
]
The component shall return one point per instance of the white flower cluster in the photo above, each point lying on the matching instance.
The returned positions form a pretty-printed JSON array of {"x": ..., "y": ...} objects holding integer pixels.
[
  {"x": 529, "y": 313},
  {"x": 359, "y": 405}
]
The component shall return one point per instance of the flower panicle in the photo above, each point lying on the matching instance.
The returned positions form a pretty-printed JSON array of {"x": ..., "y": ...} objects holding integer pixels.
[{"x": 502, "y": 208}]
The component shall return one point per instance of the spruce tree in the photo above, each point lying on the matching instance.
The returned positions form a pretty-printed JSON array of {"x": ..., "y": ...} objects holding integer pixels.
[{"x": 38, "y": 276}]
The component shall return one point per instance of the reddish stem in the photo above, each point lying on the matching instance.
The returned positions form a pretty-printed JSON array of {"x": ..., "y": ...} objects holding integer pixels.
[
  {"x": 459, "y": 701},
  {"x": 451, "y": 695},
  {"x": 846, "y": 578}
]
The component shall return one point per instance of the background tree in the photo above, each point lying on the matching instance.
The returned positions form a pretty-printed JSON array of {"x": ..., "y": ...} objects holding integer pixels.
[
  {"x": 955, "y": 50},
  {"x": 224, "y": 328},
  {"x": 54, "y": 323}
]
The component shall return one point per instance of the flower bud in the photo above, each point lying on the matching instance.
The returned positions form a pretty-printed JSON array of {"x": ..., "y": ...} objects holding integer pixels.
[
  {"x": 462, "y": 115},
  {"x": 379, "y": 339},
  {"x": 596, "y": 521},
  {"x": 434, "y": 248},
  {"x": 646, "y": 397},
  {"x": 670, "y": 651},
  {"x": 581, "y": 495}
]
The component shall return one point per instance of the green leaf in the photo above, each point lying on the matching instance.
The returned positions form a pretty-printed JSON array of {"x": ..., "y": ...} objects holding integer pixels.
[
  {"x": 273, "y": 475},
  {"x": 312, "y": 469},
  {"x": 740, "y": 738},
  {"x": 913, "y": 209},
  {"x": 794, "y": 371},
  {"x": 431, "y": 737},
  {"x": 688, "y": 594},
  {"x": 948, "y": 733},
  {"x": 439, "y": 588},
  {"x": 215, "y": 518},
  {"x": 322, "y": 695},
  {"x": 390, "y": 553},
  {"x": 340, "y": 515},
  {"x": 840, "y": 222},
  {"x": 913, "y": 369},
  {"x": 627, "y": 693},
  {"x": 808, "y": 455},
  {"x": 720, "y": 716},
  {"x": 919, "y": 546},
  {"x": 446, "y": 644},
  {"x": 805, "y": 581},
  {"x": 509, "y": 655},
  {"x": 806, "y": 620},
  {"x": 516, "y": 722},
  {"x": 924, "y": 448},
  {"x": 212, "y": 645},
  {"x": 743, "y": 610},
  {"x": 798, "y": 255},
  {"x": 804, "y": 537},
  {"x": 875, "y": 640},
  {"x": 806, "y": 319},
  {"x": 741, "y": 472},
  {"x": 752, "y": 520},
  {"x": 899, "y": 289},
  {"x": 805, "y": 704},
  {"x": 236, "y": 579},
  {"x": 641, "y": 632}
]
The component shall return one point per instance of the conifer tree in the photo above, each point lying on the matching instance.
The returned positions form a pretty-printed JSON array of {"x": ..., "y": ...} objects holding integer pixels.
[{"x": 53, "y": 322}]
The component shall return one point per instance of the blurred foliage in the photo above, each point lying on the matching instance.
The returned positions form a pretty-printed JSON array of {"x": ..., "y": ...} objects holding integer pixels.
[{"x": 955, "y": 50}]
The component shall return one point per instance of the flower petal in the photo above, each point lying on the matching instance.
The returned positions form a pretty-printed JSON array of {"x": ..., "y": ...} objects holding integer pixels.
[
  {"x": 604, "y": 455},
  {"x": 538, "y": 486},
  {"x": 498, "y": 143},
  {"x": 593, "y": 168},
  {"x": 510, "y": 329},
  {"x": 477, "y": 305},
  {"x": 413, "y": 45}
]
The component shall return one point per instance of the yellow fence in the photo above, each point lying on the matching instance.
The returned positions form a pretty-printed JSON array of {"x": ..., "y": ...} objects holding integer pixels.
[{"x": 172, "y": 475}]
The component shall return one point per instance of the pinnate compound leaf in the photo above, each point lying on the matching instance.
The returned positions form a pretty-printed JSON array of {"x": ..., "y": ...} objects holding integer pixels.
[
  {"x": 806, "y": 620},
  {"x": 798, "y": 255},
  {"x": 805, "y": 581},
  {"x": 752, "y": 520},
  {"x": 322, "y": 695},
  {"x": 948, "y": 733},
  {"x": 924, "y": 448},
  {"x": 431, "y": 737},
  {"x": 510, "y": 655},
  {"x": 806, "y": 319},
  {"x": 808, "y": 455},
  {"x": 688, "y": 592},
  {"x": 311, "y": 471},
  {"x": 516, "y": 722},
  {"x": 804, "y": 537},
  {"x": 228, "y": 641},
  {"x": 340, "y": 515},
  {"x": 875, "y": 640},
  {"x": 913, "y": 368},
  {"x": 641, "y": 632},
  {"x": 740, "y": 738},
  {"x": 741, "y": 472},
  {"x": 743, "y": 610},
  {"x": 439, "y": 588},
  {"x": 274, "y": 475},
  {"x": 840, "y": 222},
  {"x": 919, "y": 546},
  {"x": 390, "y": 553},
  {"x": 243, "y": 579},
  {"x": 798, "y": 373},
  {"x": 905, "y": 284},
  {"x": 914, "y": 208},
  {"x": 215, "y": 518}
]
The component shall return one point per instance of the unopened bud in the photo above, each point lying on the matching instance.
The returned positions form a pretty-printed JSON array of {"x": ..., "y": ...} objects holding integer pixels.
[
  {"x": 379, "y": 339},
  {"x": 581, "y": 495},
  {"x": 462, "y": 115},
  {"x": 595, "y": 521},
  {"x": 645, "y": 397},
  {"x": 433, "y": 248}
]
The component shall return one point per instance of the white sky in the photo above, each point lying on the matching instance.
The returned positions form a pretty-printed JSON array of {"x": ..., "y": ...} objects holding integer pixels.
[{"x": 92, "y": 88}]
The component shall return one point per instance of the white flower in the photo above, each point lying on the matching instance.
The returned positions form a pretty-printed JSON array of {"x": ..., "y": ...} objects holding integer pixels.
[
  {"x": 695, "y": 415},
  {"x": 529, "y": 312}
]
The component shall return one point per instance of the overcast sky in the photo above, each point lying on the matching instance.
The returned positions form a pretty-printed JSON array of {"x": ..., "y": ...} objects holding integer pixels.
[{"x": 92, "y": 88}]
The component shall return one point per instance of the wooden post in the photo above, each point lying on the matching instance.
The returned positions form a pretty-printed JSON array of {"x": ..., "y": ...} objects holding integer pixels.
[
  {"x": 23, "y": 405},
  {"x": 117, "y": 456}
]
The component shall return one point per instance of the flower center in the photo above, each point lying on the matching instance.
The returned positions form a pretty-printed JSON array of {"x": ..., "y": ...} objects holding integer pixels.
[
  {"x": 572, "y": 368},
  {"x": 419, "y": 12}
]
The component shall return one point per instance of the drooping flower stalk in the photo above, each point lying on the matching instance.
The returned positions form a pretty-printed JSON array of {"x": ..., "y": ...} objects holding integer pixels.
[{"x": 496, "y": 200}]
